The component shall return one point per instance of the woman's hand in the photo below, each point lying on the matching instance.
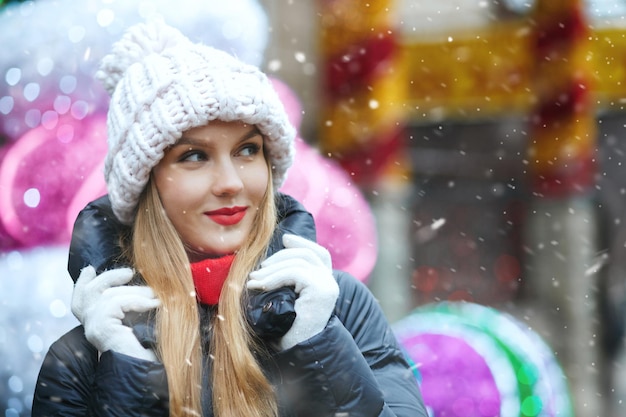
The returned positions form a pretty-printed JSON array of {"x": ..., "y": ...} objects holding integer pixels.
[
  {"x": 307, "y": 267},
  {"x": 100, "y": 302}
]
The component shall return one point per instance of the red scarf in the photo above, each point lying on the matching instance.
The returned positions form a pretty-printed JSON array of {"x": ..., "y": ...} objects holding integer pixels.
[{"x": 209, "y": 276}]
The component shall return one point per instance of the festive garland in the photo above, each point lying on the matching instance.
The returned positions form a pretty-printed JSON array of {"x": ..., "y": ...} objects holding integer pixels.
[
  {"x": 563, "y": 126},
  {"x": 362, "y": 99}
]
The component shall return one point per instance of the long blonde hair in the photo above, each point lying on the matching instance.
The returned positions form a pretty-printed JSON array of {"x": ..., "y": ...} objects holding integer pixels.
[{"x": 240, "y": 387}]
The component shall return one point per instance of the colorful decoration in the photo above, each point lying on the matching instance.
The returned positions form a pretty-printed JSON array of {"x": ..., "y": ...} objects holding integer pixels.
[
  {"x": 475, "y": 361},
  {"x": 51, "y": 164},
  {"x": 563, "y": 123},
  {"x": 344, "y": 220},
  {"x": 474, "y": 74},
  {"x": 362, "y": 114},
  {"x": 489, "y": 71}
]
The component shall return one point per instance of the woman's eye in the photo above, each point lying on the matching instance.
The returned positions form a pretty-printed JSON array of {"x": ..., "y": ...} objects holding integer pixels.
[
  {"x": 193, "y": 156},
  {"x": 250, "y": 149}
]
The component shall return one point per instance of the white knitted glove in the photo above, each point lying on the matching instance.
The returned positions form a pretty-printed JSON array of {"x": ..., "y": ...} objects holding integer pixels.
[
  {"x": 100, "y": 302},
  {"x": 307, "y": 267}
]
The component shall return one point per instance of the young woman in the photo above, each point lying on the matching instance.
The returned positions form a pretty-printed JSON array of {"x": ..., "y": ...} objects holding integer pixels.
[{"x": 200, "y": 289}]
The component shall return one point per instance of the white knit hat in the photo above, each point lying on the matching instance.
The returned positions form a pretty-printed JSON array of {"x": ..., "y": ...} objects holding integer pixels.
[{"x": 162, "y": 84}]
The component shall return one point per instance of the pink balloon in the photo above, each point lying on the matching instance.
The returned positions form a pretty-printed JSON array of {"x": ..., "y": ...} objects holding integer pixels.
[
  {"x": 344, "y": 220},
  {"x": 41, "y": 174}
]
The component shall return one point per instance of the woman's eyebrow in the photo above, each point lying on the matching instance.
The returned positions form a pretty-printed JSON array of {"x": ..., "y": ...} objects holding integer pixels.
[
  {"x": 185, "y": 140},
  {"x": 252, "y": 133},
  {"x": 188, "y": 141}
]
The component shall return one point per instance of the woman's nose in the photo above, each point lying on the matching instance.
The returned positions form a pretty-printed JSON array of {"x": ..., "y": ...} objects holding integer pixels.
[{"x": 228, "y": 179}]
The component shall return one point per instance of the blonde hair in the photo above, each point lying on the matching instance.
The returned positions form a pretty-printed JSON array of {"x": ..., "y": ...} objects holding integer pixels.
[{"x": 240, "y": 387}]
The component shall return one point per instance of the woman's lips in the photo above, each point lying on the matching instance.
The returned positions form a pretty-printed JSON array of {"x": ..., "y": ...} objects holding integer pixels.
[{"x": 227, "y": 216}]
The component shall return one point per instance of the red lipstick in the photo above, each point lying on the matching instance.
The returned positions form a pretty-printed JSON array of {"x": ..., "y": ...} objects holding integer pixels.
[{"x": 227, "y": 216}]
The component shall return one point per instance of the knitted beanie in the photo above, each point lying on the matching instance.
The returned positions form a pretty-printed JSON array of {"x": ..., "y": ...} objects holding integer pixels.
[{"x": 161, "y": 85}]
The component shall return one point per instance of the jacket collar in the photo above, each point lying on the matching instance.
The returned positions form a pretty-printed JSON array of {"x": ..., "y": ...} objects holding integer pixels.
[{"x": 293, "y": 219}]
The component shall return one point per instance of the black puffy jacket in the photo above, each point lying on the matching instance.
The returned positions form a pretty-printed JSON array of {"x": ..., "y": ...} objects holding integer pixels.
[{"x": 354, "y": 367}]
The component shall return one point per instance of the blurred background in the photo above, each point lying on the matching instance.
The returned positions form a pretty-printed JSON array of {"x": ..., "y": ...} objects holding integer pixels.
[{"x": 468, "y": 159}]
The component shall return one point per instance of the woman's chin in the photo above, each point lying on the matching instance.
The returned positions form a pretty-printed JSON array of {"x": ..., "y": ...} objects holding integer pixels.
[{"x": 200, "y": 254}]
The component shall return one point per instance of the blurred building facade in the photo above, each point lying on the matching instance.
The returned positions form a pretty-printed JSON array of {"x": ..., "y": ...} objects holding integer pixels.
[{"x": 507, "y": 190}]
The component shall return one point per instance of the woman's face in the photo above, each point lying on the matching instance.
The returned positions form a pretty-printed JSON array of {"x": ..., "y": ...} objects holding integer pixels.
[{"x": 211, "y": 183}]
